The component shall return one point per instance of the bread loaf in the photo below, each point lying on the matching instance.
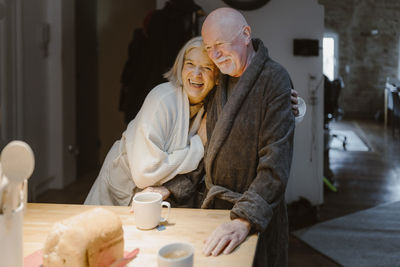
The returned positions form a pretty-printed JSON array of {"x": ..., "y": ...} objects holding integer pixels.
[{"x": 91, "y": 239}]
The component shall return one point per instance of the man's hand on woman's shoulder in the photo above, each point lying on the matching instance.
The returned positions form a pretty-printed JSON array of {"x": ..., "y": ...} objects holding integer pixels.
[{"x": 293, "y": 97}]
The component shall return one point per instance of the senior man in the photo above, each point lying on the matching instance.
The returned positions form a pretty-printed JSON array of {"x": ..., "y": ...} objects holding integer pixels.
[{"x": 250, "y": 129}]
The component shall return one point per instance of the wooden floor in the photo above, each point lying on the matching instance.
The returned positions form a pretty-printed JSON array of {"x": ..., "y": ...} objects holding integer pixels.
[
  {"x": 363, "y": 179},
  {"x": 73, "y": 194}
]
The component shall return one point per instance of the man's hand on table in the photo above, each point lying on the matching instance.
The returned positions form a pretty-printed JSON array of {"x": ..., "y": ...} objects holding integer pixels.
[
  {"x": 227, "y": 237},
  {"x": 159, "y": 189}
]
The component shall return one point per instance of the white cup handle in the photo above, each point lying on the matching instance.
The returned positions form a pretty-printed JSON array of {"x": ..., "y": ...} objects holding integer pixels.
[{"x": 165, "y": 204}]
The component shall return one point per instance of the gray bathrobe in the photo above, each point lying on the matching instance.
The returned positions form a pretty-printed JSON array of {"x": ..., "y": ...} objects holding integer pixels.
[{"x": 249, "y": 153}]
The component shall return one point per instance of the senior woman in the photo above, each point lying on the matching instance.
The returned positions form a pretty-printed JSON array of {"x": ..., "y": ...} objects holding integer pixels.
[
  {"x": 163, "y": 140},
  {"x": 167, "y": 136}
]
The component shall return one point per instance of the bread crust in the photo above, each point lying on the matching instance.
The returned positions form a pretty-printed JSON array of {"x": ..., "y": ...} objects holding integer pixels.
[{"x": 94, "y": 238}]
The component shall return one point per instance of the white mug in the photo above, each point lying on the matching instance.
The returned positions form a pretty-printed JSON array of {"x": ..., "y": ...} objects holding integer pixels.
[
  {"x": 147, "y": 210},
  {"x": 175, "y": 255}
]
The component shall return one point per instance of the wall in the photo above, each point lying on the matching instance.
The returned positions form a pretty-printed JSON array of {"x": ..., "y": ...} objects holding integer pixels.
[
  {"x": 370, "y": 58},
  {"x": 277, "y": 24},
  {"x": 34, "y": 105},
  {"x": 39, "y": 79},
  {"x": 61, "y": 92},
  {"x": 116, "y": 22},
  {"x": 41, "y": 83},
  {"x": 8, "y": 98}
]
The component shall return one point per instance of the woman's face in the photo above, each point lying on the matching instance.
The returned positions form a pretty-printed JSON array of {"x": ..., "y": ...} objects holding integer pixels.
[{"x": 198, "y": 75}]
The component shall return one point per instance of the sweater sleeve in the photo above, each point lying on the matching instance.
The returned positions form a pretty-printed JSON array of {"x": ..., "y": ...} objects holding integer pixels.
[
  {"x": 275, "y": 149},
  {"x": 150, "y": 162}
]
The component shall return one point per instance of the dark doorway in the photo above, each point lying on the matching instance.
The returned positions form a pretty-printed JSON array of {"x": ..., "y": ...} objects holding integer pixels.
[{"x": 87, "y": 128}]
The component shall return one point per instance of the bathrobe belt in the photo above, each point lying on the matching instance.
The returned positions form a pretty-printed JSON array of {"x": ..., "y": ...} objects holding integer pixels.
[{"x": 222, "y": 193}]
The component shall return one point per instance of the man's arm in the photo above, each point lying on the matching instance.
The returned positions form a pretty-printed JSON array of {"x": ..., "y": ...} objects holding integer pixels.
[
  {"x": 275, "y": 156},
  {"x": 183, "y": 186},
  {"x": 180, "y": 188},
  {"x": 256, "y": 207}
]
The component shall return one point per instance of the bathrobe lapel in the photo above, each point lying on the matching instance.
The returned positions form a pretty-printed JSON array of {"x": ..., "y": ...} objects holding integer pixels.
[{"x": 226, "y": 110}]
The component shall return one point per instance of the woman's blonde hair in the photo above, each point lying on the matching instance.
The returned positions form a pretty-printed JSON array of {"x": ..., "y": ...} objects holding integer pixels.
[{"x": 174, "y": 75}]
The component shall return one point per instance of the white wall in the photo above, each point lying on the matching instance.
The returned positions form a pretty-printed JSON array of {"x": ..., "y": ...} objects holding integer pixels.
[
  {"x": 277, "y": 24},
  {"x": 37, "y": 79},
  {"x": 9, "y": 87},
  {"x": 61, "y": 92},
  {"x": 34, "y": 108}
]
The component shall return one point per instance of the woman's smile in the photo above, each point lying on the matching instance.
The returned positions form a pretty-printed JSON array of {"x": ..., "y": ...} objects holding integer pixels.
[{"x": 198, "y": 74}]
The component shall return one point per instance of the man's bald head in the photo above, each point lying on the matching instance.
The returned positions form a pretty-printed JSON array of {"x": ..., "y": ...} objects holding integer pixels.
[
  {"x": 227, "y": 38},
  {"x": 225, "y": 19}
]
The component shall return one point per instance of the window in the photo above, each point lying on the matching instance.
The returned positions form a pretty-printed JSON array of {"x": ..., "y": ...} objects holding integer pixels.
[{"x": 330, "y": 55}]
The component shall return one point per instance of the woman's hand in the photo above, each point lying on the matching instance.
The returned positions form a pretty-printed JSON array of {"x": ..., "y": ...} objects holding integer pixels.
[
  {"x": 159, "y": 189},
  {"x": 202, "y": 131}
]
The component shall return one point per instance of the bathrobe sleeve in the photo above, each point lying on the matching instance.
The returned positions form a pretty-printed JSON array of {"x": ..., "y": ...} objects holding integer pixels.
[
  {"x": 184, "y": 186},
  {"x": 158, "y": 147}
]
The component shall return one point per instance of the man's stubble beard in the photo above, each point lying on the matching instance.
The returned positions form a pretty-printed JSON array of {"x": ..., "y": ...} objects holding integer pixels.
[{"x": 227, "y": 70}]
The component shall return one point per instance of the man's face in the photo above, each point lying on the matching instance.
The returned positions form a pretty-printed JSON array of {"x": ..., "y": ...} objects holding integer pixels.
[
  {"x": 226, "y": 49},
  {"x": 198, "y": 75}
]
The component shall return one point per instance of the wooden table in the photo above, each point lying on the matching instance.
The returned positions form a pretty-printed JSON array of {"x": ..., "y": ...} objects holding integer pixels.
[{"x": 184, "y": 225}]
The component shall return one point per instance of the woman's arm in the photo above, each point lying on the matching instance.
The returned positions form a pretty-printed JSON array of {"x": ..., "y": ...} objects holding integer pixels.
[{"x": 156, "y": 127}]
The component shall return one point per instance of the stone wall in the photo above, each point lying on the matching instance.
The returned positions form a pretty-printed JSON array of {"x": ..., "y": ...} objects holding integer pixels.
[{"x": 369, "y": 58}]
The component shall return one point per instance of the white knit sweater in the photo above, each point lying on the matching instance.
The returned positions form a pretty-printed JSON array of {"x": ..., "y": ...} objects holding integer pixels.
[{"x": 156, "y": 146}]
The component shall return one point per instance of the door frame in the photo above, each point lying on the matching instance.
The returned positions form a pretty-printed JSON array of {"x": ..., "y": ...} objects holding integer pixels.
[{"x": 11, "y": 72}]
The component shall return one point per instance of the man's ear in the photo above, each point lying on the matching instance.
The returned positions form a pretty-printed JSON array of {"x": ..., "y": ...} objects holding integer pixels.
[{"x": 247, "y": 34}]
